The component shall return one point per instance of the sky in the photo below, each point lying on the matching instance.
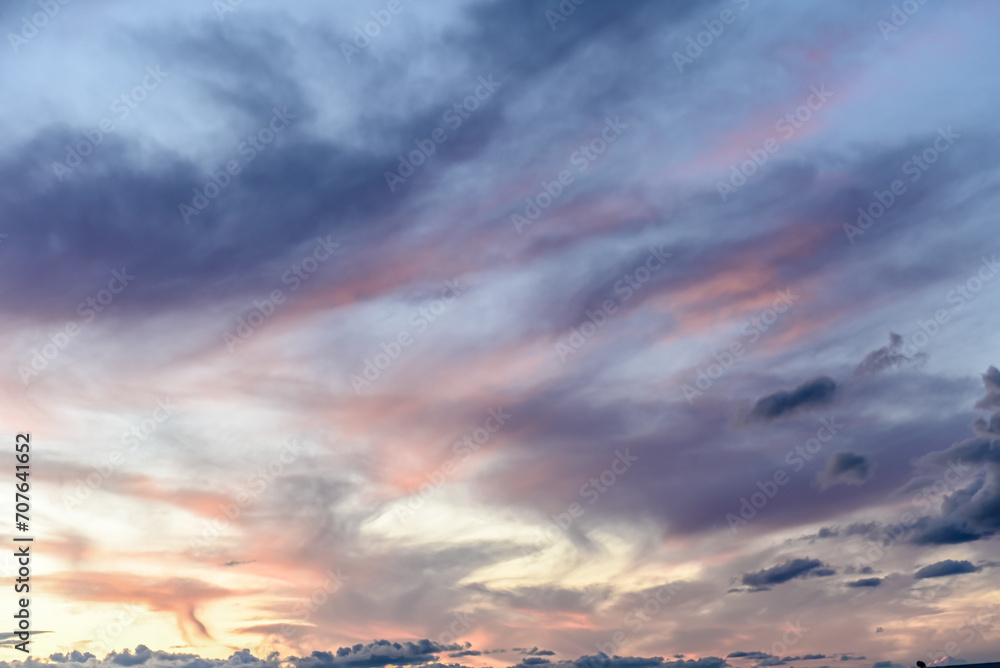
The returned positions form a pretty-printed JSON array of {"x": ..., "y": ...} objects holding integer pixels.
[{"x": 547, "y": 334}]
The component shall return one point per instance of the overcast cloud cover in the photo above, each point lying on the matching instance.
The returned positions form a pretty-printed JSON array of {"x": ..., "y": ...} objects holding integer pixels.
[{"x": 513, "y": 333}]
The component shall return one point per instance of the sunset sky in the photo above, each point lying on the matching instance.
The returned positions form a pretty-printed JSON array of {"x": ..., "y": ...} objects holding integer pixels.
[{"x": 480, "y": 334}]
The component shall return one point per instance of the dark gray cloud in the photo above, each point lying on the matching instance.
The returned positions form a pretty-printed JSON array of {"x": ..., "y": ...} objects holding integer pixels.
[
  {"x": 791, "y": 569},
  {"x": 971, "y": 469},
  {"x": 11, "y": 639},
  {"x": 377, "y": 653},
  {"x": 987, "y": 427},
  {"x": 602, "y": 660},
  {"x": 945, "y": 568},
  {"x": 74, "y": 657},
  {"x": 944, "y": 531},
  {"x": 817, "y": 392},
  {"x": 845, "y": 468},
  {"x": 865, "y": 582},
  {"x": 863, "y": 570},
  {"x": 890, "y": 356},
  {"x": 142, "y": 655},
  {"x": 991, "y": 379},
  {"x": 380, "y": 653}
]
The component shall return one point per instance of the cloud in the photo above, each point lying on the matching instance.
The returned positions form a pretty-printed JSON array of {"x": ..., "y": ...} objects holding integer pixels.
[
  {"x": 987, "y": 427},
  {"x": 379, "y": 653},
  {"x": 181, "y": 596},
  {"x": 602, "y": 660},
  {"x": 75, "y": 656},
  {"x": 845, "y": 468},
  {"x": 864, "y": 570},
  {"x": 992, "y": 381},
  {"x": 817, "y": 392},
  {"x": 865, "y": 582},
  {"x": 326, "y": 176},
  {"x": 945, "y": 568},
  {"x": 890, "y": 356},
  {"x": 11, "y": 639},
  {"x": 765, "y": 659},
  {"x": 126, "y": 658},
  {"x": 972, "y": 510},
  {"x": 791, "y": 569}
]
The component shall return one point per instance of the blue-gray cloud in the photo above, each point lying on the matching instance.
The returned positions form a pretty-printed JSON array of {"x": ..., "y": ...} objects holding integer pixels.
[
  {"x": 817, "y": 392},
  {"x": 791, "y": 569},
  {"x": 865, "y": 582},
  {"x": 845, "y": 468},
  {"x": 945, "y": 568}
]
